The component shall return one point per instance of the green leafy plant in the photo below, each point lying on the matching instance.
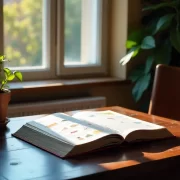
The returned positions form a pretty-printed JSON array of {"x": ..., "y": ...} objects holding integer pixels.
[
  {"x": 158, "y": 38},
  {"x": 7, "y": 75}
]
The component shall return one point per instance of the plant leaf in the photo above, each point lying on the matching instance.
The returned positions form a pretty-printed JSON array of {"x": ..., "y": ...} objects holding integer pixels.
[
  {"x": 2, "y": 57},
  {"x": 161, "y": 5},
  {"x": 126, "y": 58},
  {"x": 18, "y": 75},
  {"x": 136, "y": 51},
  {"x": 175, "y": 39},
  {"x": 162, "y": 54},
  {"x": 11, "y": 77},
  {"x": 140, "y": 86},
  {"x": 130, "y": 44},
  {"x": 7, "y": 72},
  {"x": 136, "y": 36},
  {"x": 164, "y": 22},
  {"x": 151, "y": 26},
  {"x": 132, "y": 52},
  {"x": 149, "y": 63},
  {"x": 148, "y": 43},
  {"x": 3, "y": 82},
  {"x": 136, "y": 73}
]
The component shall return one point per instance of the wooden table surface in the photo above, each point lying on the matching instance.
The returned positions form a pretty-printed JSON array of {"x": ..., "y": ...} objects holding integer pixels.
[{"x": 20, "y": 160}]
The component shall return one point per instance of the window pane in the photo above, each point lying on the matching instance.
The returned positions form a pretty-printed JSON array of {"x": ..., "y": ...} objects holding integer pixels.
[
  {"x": 23, "y": 32},
  {"x": 82, "y": 28}
]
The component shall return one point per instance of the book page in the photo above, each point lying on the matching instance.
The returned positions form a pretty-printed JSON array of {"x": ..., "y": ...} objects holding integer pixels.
[
  {"x": 66, "y": 127},
  {"x": 119, "y": 123}
]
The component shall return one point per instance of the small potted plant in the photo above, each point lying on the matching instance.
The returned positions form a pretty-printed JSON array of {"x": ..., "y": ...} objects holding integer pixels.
[{"x": 6, "y": 75}]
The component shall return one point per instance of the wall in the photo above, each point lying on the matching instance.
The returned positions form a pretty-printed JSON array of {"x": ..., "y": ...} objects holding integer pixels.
[
  {"x": 117, "y": 95},
  {"x": 125, "y": 14}
]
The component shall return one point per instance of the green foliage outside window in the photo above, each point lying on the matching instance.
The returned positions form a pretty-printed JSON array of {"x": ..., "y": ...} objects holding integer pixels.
[
  {"x": 23, "y": 31},
  {"x": 73, "y": 29}
]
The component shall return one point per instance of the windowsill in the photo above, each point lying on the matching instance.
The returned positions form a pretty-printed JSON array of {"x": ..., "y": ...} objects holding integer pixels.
[
  {"x": 59, "y": 89},
  {"x": 66, "y": 83}
]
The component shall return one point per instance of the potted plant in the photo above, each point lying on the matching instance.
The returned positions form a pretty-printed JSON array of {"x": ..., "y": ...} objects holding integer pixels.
[
  {"x": 6, "y": 75},
  {"x": 158, "y": 39}
]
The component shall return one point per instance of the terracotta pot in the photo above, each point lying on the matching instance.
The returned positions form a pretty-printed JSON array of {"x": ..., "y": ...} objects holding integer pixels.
[{"x": 4, "y": 101}]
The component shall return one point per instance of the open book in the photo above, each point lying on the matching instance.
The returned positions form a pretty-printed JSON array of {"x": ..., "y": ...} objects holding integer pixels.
[{"x": 86, "y": 131}]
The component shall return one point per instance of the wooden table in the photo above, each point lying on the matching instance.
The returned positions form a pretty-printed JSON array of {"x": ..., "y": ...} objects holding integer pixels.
[{"x": 20, "y": 160}]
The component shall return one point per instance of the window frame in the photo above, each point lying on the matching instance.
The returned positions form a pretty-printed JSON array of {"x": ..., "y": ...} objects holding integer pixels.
[
  {"x": 100, "y": 68},
  {"x": 55, "y": 39}
]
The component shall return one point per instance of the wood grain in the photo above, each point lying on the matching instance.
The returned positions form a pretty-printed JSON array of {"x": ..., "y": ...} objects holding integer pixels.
[{"x": 20, "y": 160}]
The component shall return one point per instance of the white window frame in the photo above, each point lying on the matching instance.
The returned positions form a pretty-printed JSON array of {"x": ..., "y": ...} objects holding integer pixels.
[{"x": 55, "y": 45}]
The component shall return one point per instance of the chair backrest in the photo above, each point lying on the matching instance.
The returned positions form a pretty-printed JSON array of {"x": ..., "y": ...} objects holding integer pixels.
[{"x": 165, "y": 98}]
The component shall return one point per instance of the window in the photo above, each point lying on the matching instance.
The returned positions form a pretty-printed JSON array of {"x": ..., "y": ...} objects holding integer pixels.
[{"x": 49, "y": 38}]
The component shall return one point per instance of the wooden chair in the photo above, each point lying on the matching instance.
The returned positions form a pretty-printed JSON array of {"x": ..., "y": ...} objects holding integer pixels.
[{"x": 165, "y": 98}]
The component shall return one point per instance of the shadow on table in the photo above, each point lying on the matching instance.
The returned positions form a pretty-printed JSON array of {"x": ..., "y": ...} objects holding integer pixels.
[{"x": 126, "y": 152}]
